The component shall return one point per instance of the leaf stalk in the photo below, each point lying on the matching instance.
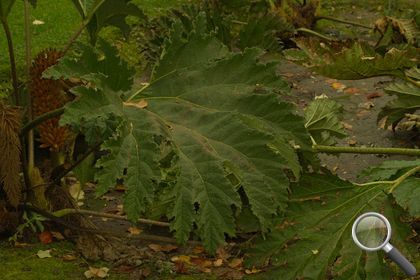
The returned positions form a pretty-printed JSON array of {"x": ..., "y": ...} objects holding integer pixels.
[{"x": 365, "y": 150}]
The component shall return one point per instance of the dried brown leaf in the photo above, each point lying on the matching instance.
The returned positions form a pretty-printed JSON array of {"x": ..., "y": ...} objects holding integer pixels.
[{"x": 10, "y": 124}]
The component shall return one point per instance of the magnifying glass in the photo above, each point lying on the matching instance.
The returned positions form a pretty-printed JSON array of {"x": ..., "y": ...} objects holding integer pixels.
[{"x": 371, "y": 232}]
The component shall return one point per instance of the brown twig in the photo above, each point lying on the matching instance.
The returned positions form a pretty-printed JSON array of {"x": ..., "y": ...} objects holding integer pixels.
[{"x": 68, "y": 211}]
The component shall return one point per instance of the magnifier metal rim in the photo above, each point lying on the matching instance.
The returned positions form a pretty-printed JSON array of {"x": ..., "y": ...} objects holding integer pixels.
[{"x": 371, "y": 214}]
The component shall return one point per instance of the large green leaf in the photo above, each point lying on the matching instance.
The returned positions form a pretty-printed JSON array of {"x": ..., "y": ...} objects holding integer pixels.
[
  {"x": 314, "y": 240},
  {"x": 5, "y": 8},
  {"x": 229, "y": 136},
  {"x": 355, "y": 61},
  {"x": 322, "y": 121}
]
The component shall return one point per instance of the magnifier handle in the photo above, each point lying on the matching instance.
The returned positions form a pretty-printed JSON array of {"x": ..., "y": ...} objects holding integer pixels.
[{"x": 399, "y": 259}]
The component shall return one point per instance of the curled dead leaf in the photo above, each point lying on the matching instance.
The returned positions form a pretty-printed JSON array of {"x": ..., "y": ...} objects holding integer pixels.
[
  {"x": 141, "y": 104},
  {"x": 236, "y": 263},
  {"x": 162, "y": 248},
  {"x": 134, "y": 231},
  {"x": 94, "y": 272}
]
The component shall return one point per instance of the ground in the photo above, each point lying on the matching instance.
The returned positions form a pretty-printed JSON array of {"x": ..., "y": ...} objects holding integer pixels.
[{"x": 361, "y": 101}]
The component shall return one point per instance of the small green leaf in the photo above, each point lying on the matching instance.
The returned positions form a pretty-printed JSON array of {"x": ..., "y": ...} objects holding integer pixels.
[
  {"x": 85, "y": 171},
  {"x": 322, "y": 121}
]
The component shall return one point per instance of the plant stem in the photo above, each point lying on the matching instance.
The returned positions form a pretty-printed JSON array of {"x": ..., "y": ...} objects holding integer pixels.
[
  {"x": 373, "y": 183},
  {"x": 343, "y": 21},
  {"x": 49, "y": 115},
  {"x": 76, "y": 163},
  {"x": 30, "y": 150},
  {"x": 365, "y": 150},
  {"x": 68, "y": 211},
  {"x": 12, "y": 59},
  {"x": 83, "y": 25},
  {"x": 401, "y": 179},
  {"x": 309, "y": 31}
]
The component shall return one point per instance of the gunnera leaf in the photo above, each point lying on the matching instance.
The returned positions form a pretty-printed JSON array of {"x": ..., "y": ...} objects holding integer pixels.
[
  {"x": 407, "y": 99},
  {"x": 224, "y": 126},
  {"x": 10, "y": 125},
  {"x": 352, "y": 61},
  {"x": 389, "y": 169},
  {"x": 314, "y": 240},
  {"x": 322, "y": 121}
]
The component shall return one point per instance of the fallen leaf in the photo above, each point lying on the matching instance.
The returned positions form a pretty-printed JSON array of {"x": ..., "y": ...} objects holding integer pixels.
[
  {"x": 351, "y": 90},
  {"x": 96, "y": 272},
  {"x": 57, "y": 235},
  {"x": 352, "y": 142},
  {"x": 366, "y": 105},
  {"x": 373, "y": 95},
  {"x": 330, "y": 81},
  {"x": 68, "y": 257},
  {"x": 38, "y": 22},
  {"x": 21, "y": 244},
  {"x": 218, "y": 262},
  {"x": 162, "y": 248},
  {"x": 236, "y": 263},
  {"x": 202, "y": 262},
  {"x": 288, "y": 75},
  {"x": 181, "y": 259},
  {"x": 146, "y": 272},
  {"x": 347, "y": 126},
  {"x": 141, "y": 104},
  {"x": 253, "y": 270},
  {"x": 315, "y": 252},
  {"x": 338, "y": 86},
  {"x": 45, "y": 237},
  {"x": 222, "y": 253},
  {"x": 134, "y": 230},
  {"x": 362, "y": 114},
  {"x": 181, "y": 268},
  {"x": 198, "y": 250},
  {"x": 42, "y": 254}
]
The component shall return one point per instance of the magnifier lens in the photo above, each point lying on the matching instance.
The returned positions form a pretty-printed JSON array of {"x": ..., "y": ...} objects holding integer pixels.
[{"x": 371, "y": 231}]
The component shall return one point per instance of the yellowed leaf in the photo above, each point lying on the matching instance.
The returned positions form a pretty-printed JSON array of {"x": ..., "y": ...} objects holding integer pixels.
[
  {"x": 134, "y": 230},
  {"x": 181, "y": 259},
  {"x": 96, "y": 272},
  {"x": 69, "y": 257},
  {"x": 198, "y": 249},
  {"x": 236, "y": 263},
  {"x": 338, "y": 86},
  {"x": 218, "y": 262},
  {"x": 253, "y": 270},
  {"x": 42, "y": 254}
]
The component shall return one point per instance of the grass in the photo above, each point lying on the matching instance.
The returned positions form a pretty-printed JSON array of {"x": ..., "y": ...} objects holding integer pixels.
[
  {"x": 61, "y": 20},
  {"x": 24, "y": 264}
]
